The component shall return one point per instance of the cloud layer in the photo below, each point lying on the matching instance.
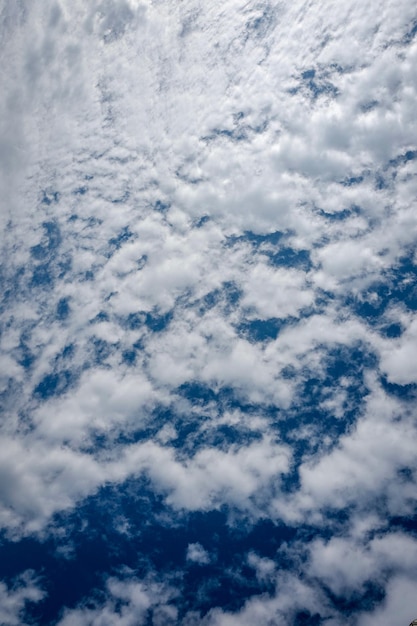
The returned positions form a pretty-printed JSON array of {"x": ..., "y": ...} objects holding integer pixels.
[{"x": 208, "y": 323}]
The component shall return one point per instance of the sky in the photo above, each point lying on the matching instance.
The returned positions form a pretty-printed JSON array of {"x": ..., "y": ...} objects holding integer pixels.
[{"x": 208, "y": 313}]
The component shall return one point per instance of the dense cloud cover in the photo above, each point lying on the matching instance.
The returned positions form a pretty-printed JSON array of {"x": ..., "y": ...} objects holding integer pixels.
[{"x": 208, "y": 331}]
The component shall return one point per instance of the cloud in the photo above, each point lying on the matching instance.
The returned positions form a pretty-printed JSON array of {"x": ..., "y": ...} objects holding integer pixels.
[
  {"x": 365, "y": 463},
  {"x": 128, "y": 602},
  {"x": 293, "y": 597},
  {"x": 38, "y": 480},
  {"x": 345, "y": 566},
  {"x": 399, "y": 603},
  {"x": 14, "y": 599},
  {"x": 240, "y": 476},
  {"x": 208, "y": 278},
  {"x": 397, "y": 359},
  {"x": 197, "y": 554}
]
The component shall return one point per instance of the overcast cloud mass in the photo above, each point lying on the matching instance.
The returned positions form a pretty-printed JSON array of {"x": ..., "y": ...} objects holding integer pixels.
[{"x": 208, "y": 313}]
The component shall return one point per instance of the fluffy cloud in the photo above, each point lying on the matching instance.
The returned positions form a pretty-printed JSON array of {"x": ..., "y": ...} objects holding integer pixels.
[
  {"x": 129, "y": 602},
  {"x": 13, "y": 599},
  {"x": 197, "y": 554},
  {"x": 208, "y": 213}
]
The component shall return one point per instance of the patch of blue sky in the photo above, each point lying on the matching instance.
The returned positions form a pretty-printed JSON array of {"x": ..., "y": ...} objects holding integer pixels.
[
  {"x": 129, "y": 356},
  {"x": 161, "y": 206},
  {"x": 405, "y": 523},
  {"x": 48, "y": 247},
  {"x": 121, "y": 198},
  {"x": 67, "y": 352},
  {"x": 234, "y": 134},
  {"x": 86, "y": 572},
  {"x": 101, "y": 350},
  {"x": 55, "y": 384},
  {"x": 25, "y": 356},
  {"x": 52, "y": 238},
  {"x": 129, "y": 528},
  {"x": 201, "y": 394},
  {"x": 89, "y": 222},
  {"x": 65, "y": 356},
  {"x": 262, "y": 22},
  {"x": 80, "y": 191},
  {"x": 115, "y": 243},
  {"x": 64, "y": 266},
  {"x": 314, "y": 84},
  {"x": 226, "y": 580},
  {"x": 48, "y": 264},
  {"x": 191, "y": 437},
  {"x": 391, "y": 330},
  {"x": 329, "y": 403},
  {"x": 181, "y": 174},
  {"x": 200, "y": 222},
  {"x": 131, "y": 352},
  {"x": 49, "y": 196},
  {"x": 259, "y": 330},
  {"x": 276, "y": 248},
  {"x": 341, "y": 215},
  {"x": 240, "y": 129},
  {"x": 102, "y": 316},
  {"x": 365, "y": 599},
  {"x": 398, "y": 286},
  {"x": 409, "y": 155},
  {"x": 385, "y": 178},
  {"x": 63, "y": 309},
  {"x": 154, "y": 321},
  {"x": 226, "y": 298},
  {"x": 225, "y": 436},
  {"x": 304, "y": 618},
  {"x": 11, "y": 389},
  {"x": 158, "y": 322},
  {"x": 405, "y": 392},
  {"x": 350, "y": 181},
  {"x": 256, "y": 239},
  {"x": 410, "y": 35},
  {"x": 290, "y": 257}
]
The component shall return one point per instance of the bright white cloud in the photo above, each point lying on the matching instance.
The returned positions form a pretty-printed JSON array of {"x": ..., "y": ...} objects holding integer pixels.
[{"x": 150, "y": 151}]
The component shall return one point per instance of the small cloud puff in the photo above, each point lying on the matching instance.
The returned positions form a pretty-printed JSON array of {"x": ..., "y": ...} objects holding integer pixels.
[{"x": 197, "y": 554}]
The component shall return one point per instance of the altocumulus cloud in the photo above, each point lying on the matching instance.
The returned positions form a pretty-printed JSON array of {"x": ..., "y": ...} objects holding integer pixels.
[{"x": 209, "y": 287}]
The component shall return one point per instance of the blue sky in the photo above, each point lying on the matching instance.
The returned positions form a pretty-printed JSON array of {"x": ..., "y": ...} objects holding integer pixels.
[{"x": 208, "y": 313}]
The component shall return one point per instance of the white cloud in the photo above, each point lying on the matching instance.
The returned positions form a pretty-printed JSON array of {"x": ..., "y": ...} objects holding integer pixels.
[
  {"x": 345, "y": 565},
  {"x": 102, "y": 403},
  {"x": 129, "y": 603},
  {"x": 197, "y": 554},
  {"x": 242, "y": 477},
  {"x": 265, "y": 568},
  {"x": 365, "y": 463},
  {"x": 37, "y": 480},
  {"x": 276, "y": 292},
  {"x": 399, "y": 604},
  {"x": 292, "y": 595},
  {"x": 123, "y": 123},
  {"x": 398, "y": 357},
  {"x": 13, "y": 599}
]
